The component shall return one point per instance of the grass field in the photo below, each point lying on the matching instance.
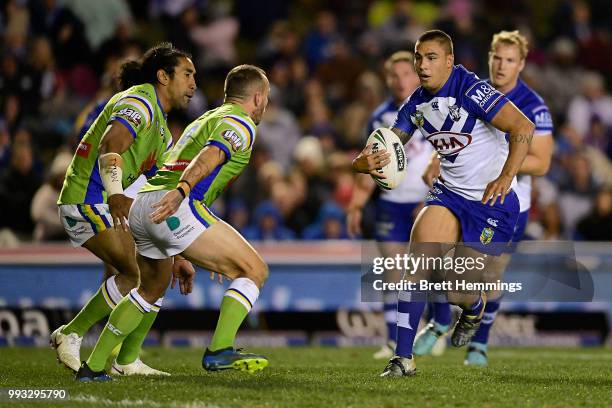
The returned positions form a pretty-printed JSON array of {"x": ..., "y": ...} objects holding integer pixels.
[{"x": 329, "y": 377}]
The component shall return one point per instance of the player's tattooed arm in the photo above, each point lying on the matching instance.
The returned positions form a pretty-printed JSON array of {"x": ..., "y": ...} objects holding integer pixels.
[
  {"x": 540, "y": 153},
  {"x": 403, "y": 136},
  {"x": 511, "y": 120},
  {"x": 201, "y": 166}
]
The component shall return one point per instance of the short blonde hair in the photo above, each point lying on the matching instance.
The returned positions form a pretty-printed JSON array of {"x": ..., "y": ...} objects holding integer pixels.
[
  {"x": 399, "y": 56},
  {"x": 511, "y": 38}
]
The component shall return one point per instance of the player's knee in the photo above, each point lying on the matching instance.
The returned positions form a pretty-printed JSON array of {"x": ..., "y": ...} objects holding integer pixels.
[
  {"x": 256, "y": 271},
  {"x": 152, "y": 292}
]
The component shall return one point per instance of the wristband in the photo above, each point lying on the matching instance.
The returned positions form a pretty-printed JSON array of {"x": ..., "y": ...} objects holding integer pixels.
[
  {"x": 180, "y": 190},
  {"x": 185, "y": 186}
]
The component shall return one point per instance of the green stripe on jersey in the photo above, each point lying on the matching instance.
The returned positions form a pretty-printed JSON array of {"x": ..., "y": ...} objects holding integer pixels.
[{"x": 137, "y": 109}]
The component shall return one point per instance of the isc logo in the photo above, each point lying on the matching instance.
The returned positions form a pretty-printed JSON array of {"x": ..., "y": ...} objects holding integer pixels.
[{"x": 448, "y": 143}]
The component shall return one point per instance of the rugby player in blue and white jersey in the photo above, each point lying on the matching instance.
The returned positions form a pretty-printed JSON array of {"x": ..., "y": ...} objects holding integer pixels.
[
  {"x": 473, "y": 201},
  {"x": 395, "y": 209},
  {"x": 506, "y": 61}
]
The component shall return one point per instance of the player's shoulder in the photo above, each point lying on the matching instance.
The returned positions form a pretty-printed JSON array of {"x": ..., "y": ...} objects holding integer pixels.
[
  {"x": 530, "y": 96},
  {"x": 232, "y": 113},
  {"x": 387, "y": 106},
  {"x": 417, "y": 97},
  {"x": 146, "y": 91}
]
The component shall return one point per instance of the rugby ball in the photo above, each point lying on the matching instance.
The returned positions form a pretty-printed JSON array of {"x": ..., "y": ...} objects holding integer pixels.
[{"x": 395, "y": 171}]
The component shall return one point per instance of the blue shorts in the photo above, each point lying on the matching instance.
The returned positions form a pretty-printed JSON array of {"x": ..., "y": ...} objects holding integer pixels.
[
  {"x": 394, "y": 221},
  {"x": 519, "y": 231},
  {"x": 486, "y": 229}
]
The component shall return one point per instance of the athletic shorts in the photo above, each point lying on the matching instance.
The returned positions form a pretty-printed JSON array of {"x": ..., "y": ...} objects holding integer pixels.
[
  {"x": 519, "y": 231},
  {"x": 173, "y": 236},
  {"x": 83, "y": 221},
  {"x": 394, "y": 221},
  {"x": 486, "y": 229}
]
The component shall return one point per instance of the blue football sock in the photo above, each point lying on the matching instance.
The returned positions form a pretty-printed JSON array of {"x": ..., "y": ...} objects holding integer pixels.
[
  {"x": 390, "y": 310},
  {"x": 476, "y": 308},
  {"x": 488, "y": 318},
  {"x": 441, "y": 313},
  {"x": 408, "y": 317}
]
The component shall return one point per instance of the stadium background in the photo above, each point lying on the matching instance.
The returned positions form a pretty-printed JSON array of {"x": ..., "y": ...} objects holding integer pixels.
[{"x": 324, "y": 60}]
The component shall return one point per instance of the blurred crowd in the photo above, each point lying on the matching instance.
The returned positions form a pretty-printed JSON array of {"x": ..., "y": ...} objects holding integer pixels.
[{"x": 59, "y": 58}]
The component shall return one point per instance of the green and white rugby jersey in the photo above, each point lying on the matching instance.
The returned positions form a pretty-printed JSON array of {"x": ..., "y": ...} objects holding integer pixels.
[
  {"x": 139, "y": 110},
  {"x": 229, "y": 128}
]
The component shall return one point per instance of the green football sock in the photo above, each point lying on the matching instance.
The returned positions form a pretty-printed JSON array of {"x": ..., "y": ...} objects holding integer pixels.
[
  {"x": 122, "y": 321},
  {"x": 97, "y": 308},
  {"x": 130, "y": 349},
  {"x": 230, "y": 318}
]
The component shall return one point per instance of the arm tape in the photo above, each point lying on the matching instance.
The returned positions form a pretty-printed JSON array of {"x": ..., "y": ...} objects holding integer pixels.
[{"x": 111, "y": 173}]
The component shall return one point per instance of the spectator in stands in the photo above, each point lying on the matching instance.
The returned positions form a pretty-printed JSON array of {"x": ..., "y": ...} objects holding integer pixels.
[
  {"x": 593, "y": 103},
  {"x": 278, "y": 131},
  {"x": 319, "y": 40},
  {"x": 597, "y": 226},
  {"x": 48, "y": 226},
  {"x": 267, "y": 225},
  {"x": 330, "y": 224},
  {"x": 578, "y": 190},
  {"x": 18, "y": 183}
]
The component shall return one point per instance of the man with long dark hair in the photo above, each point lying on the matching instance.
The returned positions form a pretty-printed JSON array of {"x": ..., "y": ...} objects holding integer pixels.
[{"x": 127, "y": 139}]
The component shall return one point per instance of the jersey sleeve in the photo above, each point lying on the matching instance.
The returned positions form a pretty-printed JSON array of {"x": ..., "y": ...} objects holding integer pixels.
[
  {"x": 232, "y": 134},
  {"x": 134, "y": 111},
  {"x": 481, "y": 99},
  {"x": 541, "y": 117},
  {"x": 403, "y": 121}
]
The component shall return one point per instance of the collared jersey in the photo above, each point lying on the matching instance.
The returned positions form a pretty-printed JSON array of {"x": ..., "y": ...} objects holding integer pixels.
[
  {"x": 227, "y": 127},
  {"x": 139, "y": 110},
  {"x": 456, "y": 121},
  {"x": 532, "y": 105}
]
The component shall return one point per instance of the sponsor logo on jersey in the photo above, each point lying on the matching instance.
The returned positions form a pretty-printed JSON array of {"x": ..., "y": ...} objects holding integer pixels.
[
  {"x": 71, "y": 221},
  {"x": 543, "y": 120},
  {"x": 449, "y": 143},
  {"x": 173, "y": 223},
  {"x": 419, "y": 119},
  {"x": 399, "y": 153},
  {"x": 486, "y": 235},
  {"x": 493, "y": 222},
  {"x": 83, "y": 149},
  {"x": 178, "y": 165},
  {"x": 434, "y": 105},
  {"x": 233, "y": 139},
  {"x": 132, "y": 115},
  {"x": 484, "y": 95},
  {"x": 455, "y": 112}
]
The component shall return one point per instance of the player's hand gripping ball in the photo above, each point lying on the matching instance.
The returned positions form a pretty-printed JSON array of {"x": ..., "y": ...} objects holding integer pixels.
[{"x": 395, "y": 171}]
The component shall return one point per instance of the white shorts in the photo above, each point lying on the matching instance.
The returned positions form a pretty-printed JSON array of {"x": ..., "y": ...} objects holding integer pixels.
[
  {"x": 83, "y": 221},
  {"x": 173, "y": 236}
]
